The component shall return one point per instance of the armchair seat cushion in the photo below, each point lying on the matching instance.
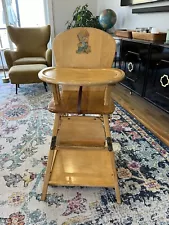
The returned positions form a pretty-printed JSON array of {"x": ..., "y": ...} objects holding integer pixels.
[
  {"x": 30, "y": 60},
  {"x": 25, "y": 74}
]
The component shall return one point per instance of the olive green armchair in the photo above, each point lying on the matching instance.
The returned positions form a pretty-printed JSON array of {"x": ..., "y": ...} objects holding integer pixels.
[{"x": 31, "y": 54}]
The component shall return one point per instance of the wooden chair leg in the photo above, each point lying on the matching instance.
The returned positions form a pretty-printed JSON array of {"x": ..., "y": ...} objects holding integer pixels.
[
  {"x": 51, "y": 156},
  {"x": 47, "y": 175},
  {"x": 108, "y": 137},
  {"x": 116, "y": 185},
  {"x": 45, "y": 85}
]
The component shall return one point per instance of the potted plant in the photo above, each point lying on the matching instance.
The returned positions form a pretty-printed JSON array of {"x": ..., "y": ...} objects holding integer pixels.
[{"x": 83, "y": 17}]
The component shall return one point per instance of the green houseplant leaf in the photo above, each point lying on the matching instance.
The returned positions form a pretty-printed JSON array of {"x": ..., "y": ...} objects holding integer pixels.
[{"x": 83, "y": 17}]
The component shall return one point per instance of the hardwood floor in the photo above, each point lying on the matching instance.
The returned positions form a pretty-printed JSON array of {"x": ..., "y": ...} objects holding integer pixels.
[{"x": 150, "y": 116}]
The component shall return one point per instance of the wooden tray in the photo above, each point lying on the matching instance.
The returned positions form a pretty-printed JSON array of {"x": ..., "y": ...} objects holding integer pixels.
[
  {"x": 122, "y": 33},
  {"x": 81, "y": 77},
  {"x": 149, "y": 36}
]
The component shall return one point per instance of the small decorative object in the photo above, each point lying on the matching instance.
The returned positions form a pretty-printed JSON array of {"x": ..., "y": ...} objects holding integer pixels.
[
  {"x": 83, "y": 46},
  {"x": 167, "y": 37},
  {"x": 83, "y": 17},
  {"x": 164, "y": 80},
  {"x": 154, "y": 30},
  {"x": 130, "y": 67},
  {"x": 107, "y": 19}
]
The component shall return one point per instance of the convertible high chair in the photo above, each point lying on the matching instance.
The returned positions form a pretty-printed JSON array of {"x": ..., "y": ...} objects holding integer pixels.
[{"x": 81, "y": 152}]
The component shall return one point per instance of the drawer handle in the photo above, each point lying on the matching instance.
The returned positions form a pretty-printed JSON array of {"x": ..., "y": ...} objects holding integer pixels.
[
  {"x": 164, "y": 77},
  {"x": 130, "y": 67}
]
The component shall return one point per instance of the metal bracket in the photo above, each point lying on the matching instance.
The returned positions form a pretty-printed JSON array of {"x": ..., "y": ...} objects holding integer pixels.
[
  {"x": 109, "y": 144},
  {"x": 53, "y": 143}
]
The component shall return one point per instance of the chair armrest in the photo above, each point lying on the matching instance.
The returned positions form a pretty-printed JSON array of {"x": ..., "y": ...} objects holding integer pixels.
[
  {"x": 10, "y": 57},
  {"x": 48, "y": 57}
]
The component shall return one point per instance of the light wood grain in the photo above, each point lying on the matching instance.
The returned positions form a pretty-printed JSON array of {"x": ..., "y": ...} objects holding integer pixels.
[
  {"x": 112, "y": 157},
  {"x": 107, "y": 94},
  {"x": 56, "y": 94},
  {"x": 116, "y": 185},
  {"x": 124, "y": 33},
  {"x": 82, "y": 168},
  {"x": 82, "y": 158},
  {"x": 81, "y": 131},
  {"x": 51, "y": 156},
  {"x": 92, "y": 102},
  {"x": 150, "y": 116},
  {"x": 106, "y": 125},
  {"x": 149, "y": 36},
  {"x": 102, "y": 53},
  {"x": 80, "y": 77}
]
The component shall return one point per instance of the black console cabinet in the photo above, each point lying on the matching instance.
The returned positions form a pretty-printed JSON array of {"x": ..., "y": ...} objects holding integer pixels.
[
  {"x": 157, "y": 85},
  {"x": 146, "y": 66},
  {"x": 134, "y": 60}
]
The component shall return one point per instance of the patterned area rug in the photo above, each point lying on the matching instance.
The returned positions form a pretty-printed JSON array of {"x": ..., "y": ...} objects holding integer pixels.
[{"x": 25, "y": 133}]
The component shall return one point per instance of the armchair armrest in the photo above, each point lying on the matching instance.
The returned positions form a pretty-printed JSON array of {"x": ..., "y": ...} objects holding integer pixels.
[
  {"x": 10, "y": 57},
  {"x": 48, "y": 57}
]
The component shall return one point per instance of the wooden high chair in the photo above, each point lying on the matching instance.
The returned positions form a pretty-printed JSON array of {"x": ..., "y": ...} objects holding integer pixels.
[{"x": 81, "y": 151}]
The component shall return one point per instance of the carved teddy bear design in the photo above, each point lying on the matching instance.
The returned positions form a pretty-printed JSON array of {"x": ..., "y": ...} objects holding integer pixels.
[{"x": 83, "y": 45}]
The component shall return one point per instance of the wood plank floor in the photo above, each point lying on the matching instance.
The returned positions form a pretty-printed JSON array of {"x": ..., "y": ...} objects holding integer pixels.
[{"x": 156, "y": 120}]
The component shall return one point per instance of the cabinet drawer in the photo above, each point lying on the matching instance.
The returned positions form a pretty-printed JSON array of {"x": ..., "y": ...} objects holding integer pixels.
[{"x": 157, "y": 89}]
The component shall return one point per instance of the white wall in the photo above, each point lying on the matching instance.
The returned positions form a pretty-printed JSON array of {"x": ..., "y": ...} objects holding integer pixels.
[
  {"x": 125, "y": 18},
  {"x": 63, "y": 9}
]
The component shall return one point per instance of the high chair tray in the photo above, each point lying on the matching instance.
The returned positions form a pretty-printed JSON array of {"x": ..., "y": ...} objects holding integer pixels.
[{"x": 80, "y": 77}]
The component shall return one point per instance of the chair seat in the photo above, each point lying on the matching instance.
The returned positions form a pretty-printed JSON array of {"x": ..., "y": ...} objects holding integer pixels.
[
  {"x": 30, "y": 60},
  {"x": 92, "y": 103},
  {"x": 25, "y": 74}
]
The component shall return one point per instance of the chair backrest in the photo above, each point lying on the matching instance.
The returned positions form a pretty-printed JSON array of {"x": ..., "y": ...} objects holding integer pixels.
[
  {"x": 84, "y": 48},
  {"x": 30, "y": 42}
]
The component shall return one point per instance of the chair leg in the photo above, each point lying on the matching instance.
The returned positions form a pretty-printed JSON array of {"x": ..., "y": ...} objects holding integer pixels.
[
  {"x": 116, "y": 185},
  {"x": 16, "y": 89},
  {"x": 47, "y": 175},
  {"x": 18, "y": 86},
  {"x": 108, "y": 137},
  {"x": 51, "y": 157},
  {"x": 45, "y": 85}
]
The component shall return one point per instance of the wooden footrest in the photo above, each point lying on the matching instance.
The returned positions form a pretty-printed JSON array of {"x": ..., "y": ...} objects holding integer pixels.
[{"x": 82, "y": 167}]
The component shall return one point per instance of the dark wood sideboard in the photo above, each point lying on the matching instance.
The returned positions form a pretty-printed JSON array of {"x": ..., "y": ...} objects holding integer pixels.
[{"x": 146, "y": 65}]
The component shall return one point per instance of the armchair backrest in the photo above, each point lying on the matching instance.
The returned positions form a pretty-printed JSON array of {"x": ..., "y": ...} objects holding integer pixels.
[
  {"x": 30, "y": 42},
  {"x": 84, "y": 48}
]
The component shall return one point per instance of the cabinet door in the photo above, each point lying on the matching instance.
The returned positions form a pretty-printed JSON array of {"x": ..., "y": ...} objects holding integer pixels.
[
  {"x": 134, "y": 58},
  {"x": 157, "y": 89}
]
